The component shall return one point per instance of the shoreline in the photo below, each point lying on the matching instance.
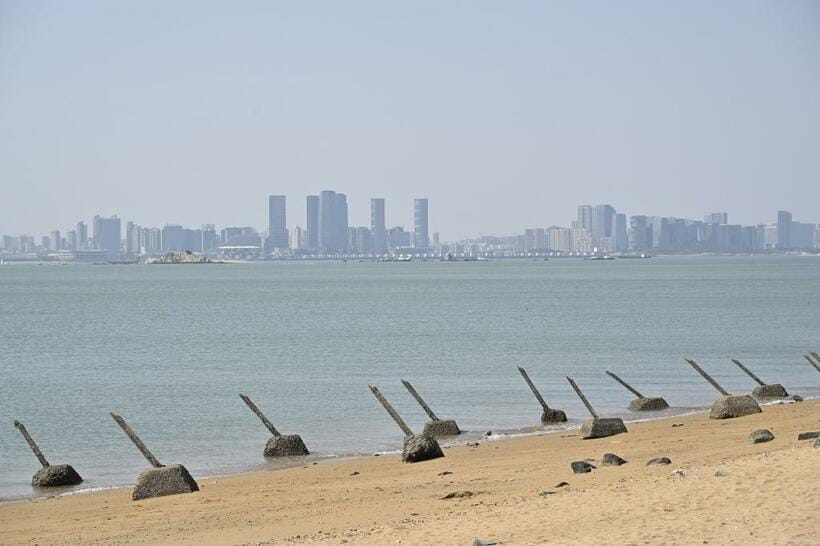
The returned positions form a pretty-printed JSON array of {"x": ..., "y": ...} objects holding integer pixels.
[
  {"x": 500, "y": 490},
  {"x": 466, "y": 437}
]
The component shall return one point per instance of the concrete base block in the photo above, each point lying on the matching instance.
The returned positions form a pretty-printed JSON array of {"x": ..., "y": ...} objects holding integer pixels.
[
  {"x": 601, "y": 427},
  {"x": 56, "y": 476},
  {"x": 729, "y": 407},
  {"x": 287, "y": 445},
  {"x": 166, "y": 480}
]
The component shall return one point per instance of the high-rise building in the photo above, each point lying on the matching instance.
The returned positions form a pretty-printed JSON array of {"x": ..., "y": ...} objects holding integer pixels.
[
  {"x": 209, "y": 240},
  {"x": 640, "y": 233},
  {"x": 71, "y": 240},
  {"x": 341, "y": 223},
  {"x": 619, "y": 238},
  {"x": 312, "y": 223},
  {"x": 584, "y": 217},
  {"x": 107, "y": 234},
  {"x": 602, "y": 224},
  {"x": 327, "y": 222},
  {"x": 716, "y": 218},
  {"x": 364, "y": 240},
  {"x": 377, "y": 226},
  {"x": 421, "y": 231},
  {"x": 173, "y": 238},
  {"x": 559, "y": 239},
  {"x": 132, "y": 239},
  {"x": 277, "y": 223},
  {"x": 784, "y": 224},
  {"x": 54, "y": 240},
  {"x": 82, "y": 236},
  {"x": 297, "y": 238}
]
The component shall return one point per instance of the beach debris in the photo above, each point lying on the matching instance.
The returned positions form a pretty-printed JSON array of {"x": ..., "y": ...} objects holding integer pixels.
[
  {"x": 761, "y": 436},
  {"x": 610, "y": 459},
  {"x": 814, "y": 365},
  {"x": 597, "y": 427},
  {"x": 49, "y": 475},
  {"x": 763, "y": 390},
  {"x": 546, "y": 493},
  {"x": 808, "y": 435},
  {"x": 435, "y": 427},
  {"x": 659, "y": 461},
  {"x": 479, "y": 542},
  {"x": 457, "y": 495},
  {"x": 679, "y": 473},
  {"x": 160, "y": 480},
  {"x": 444, "y": 473},
  {"x": 278, "y": 445},
  {"x": 417, "y": 447},
  {"x": 548, "y": 415},
  {"x": 355, "y": 473},
  {"x": 562, "y": 484},
  {"x": 674, "y": 425},
  {"x": 727, "y": 406},
  {"x": 641, "y": 403},
  {"x": 581, "y": 467}
]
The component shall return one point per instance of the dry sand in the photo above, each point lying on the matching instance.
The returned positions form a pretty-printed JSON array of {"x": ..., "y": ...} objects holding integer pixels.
[{"x": 768, "y": 495}]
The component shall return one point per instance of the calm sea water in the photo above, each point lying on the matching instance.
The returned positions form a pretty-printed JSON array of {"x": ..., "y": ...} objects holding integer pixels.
[{"x": 171, "y": 347}]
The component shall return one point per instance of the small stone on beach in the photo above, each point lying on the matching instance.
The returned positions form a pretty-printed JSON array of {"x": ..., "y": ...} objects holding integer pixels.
[
  {"x": 610, "y": 459},
  {"x": 808, "y": 435},
  {"x": 457, "y": 495},
  {"x": 562, "y": 484},
  {"x": 659, "y": 460},
  {"x": 581, "y": 467},
  {"x": 760, "y": 436},
  {"x": 445, "y": 473}
]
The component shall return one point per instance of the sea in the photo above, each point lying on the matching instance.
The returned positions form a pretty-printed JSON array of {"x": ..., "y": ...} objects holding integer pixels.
[{"x": 171, "y": 347}]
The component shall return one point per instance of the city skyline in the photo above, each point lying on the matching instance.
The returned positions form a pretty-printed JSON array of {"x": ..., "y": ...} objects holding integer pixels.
[
  {"x": 525, "y": 112},
  {"x": 327, "y": 232}
]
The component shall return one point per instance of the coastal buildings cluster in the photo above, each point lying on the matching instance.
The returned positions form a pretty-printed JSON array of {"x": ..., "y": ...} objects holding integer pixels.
[{"x": 326, "y": 233}]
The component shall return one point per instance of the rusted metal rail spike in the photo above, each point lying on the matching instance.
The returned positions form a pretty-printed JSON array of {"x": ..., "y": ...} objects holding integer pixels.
[
  {"x": 393, "y": 413},
  {"x": 419, "y": 399},
  {"x": 259, "y": 414},
  {"x": 137, "y": 442},
  {"x": 31, "y": 443},
  {"x": 748, "y": 372},
  {"x": 816, "y": 367},
  {"x": 707, "y": 377},
  {"x": 583, "y": 398},
  {"x": 533, "y": 388},
  {"x": 625, "y": 384}
]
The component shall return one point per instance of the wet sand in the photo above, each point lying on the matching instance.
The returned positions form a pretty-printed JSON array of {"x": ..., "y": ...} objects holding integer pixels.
[{"x": 506, "y": 491}]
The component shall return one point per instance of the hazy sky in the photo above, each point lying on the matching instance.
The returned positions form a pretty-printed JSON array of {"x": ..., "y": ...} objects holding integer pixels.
[{"x": 505, "y": 114}]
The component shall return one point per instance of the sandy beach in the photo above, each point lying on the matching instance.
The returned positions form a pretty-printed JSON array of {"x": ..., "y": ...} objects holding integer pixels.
[{"x": 719, "y": 489}]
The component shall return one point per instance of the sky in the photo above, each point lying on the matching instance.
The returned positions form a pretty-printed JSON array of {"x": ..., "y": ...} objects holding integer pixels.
[{"x": 506, "y": 115}]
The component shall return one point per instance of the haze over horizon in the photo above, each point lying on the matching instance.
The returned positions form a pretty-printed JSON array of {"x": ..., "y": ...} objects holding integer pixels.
[{"x": 505, "y": 115}]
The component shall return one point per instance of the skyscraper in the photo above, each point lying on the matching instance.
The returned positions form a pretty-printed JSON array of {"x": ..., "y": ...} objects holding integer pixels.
[
  {"x": 327, "y": 222},
  {"x": 585, "y": 217},
  {"x": 640, "y": 233},
  {"x": 619, "y": 237},
  {"x": 173, "y": 238},
  {"x": 716, "y": 218},
  {"x": 312, "y": 223},
  {"x": 377, "y": 226},
  {"x": 107, "y": 233},
  {"x": 342, "y": 238},
  {"x": 82, "y": 235},
  {"x": 602, "y": 224},
  {"x": 421, "y": 233},
  {"x": 784, "y": 224},
  {"x": 277, "y": 223},
  {"x": 55, "y": 240}
]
